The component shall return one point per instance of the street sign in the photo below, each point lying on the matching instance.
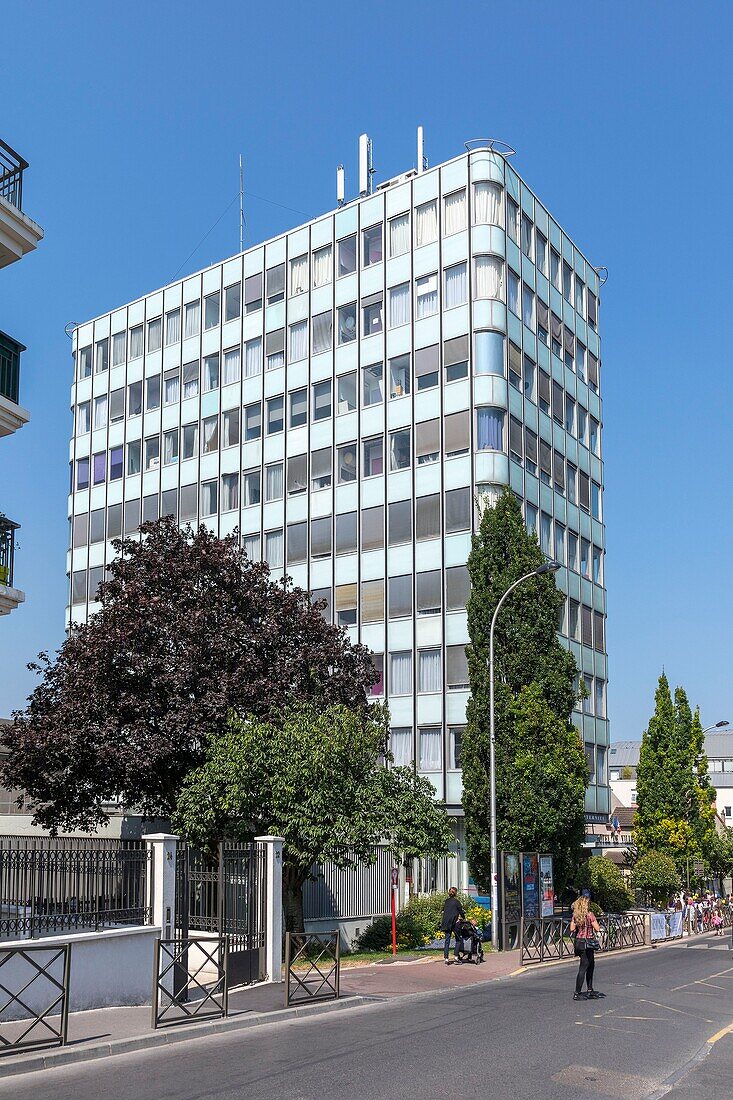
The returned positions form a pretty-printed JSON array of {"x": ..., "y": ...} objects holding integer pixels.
[
  {"x": 698, "y": 867},
  {"x": 395, "y": 876}
]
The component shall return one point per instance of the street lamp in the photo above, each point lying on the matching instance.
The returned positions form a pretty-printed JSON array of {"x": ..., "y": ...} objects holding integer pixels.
[
  {"x": 715, "y": 726},
  {"x": 546, "y": 567}
]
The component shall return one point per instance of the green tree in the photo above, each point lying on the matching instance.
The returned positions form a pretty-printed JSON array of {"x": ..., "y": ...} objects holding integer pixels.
[
  {"x": 704, "y": 825},
  {"x": 606, "y": 884},
  {"x": 541, "y": 770},
  {"x": 314, "y": 779},
  {"x": 656, "y": 877}
]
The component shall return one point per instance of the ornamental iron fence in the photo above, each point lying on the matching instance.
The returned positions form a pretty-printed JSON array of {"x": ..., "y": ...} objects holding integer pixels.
[
  {"x": 312, "y": 967},
  {"x": 544, "y": 938}
]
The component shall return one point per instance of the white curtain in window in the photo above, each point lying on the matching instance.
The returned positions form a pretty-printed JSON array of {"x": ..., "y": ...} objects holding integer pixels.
[
  {"x": 426, "y": 223},
  {"x": 274, "y": 549},
  {"x": 274, "y": 483},
  {"x": 430, "y": 754},
  {"x": 322, "y": 266},
  {"x": 400, "y": 743},
  {"x": 399, "y": 305},
  {"x": 170, "y": 447},
  {"x": 322, "y": 332},
  {"x": 489, "y": 282},
  {"x": 210, "y": 440},
  {"x": 82, "y": 418},
  {"x": 456, "y": 285},
  {"x": 298, "y": 341},
  {"x": 251, "y": 544},
  {"x": 455, "y": 213},
  {"x": 136, "y": 342},
  {"x": 299, "y": 275},
  {"x": 427, "y": 297},
  {"x": 400, "y": 673},
  {"x": 399, "y": 235},
  {"x": 275, "y": 359},
  {"x": 430, "y": 670},
  {"x": 173, "y": 326},
  {"x": 190, "y": 380},
  {"x": 513, "y": 293},
  {"x": 171, "y": 388},
  {"x": 119, "y": 342},
  {"x": 487, "y": 203},
  {"x": 100, "y": 412},
  {"x": 229, "y": 492},
  {"x": 193, "y": 319},
  {"x": 252, "y": 358},
  {"x": 232, "y": 366},
  {"x": 528, "y": 307}
]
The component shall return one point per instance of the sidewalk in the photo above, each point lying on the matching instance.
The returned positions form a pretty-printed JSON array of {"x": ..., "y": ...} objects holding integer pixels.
[{"x": 105, "y": 1032}]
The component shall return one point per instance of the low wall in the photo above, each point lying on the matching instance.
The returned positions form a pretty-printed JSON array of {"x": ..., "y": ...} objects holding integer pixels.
[{"x": 108, "y": 969}]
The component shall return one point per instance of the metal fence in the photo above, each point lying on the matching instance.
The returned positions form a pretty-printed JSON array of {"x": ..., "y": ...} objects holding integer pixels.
[
  {"x": 34, "y": 986},
  {"x": 12, "y": 166},
  {"x": 544, "y": 938},
  {"x": 56, "y": 885},
  {"x": 190, "y": 981},
  {"x": 312, "y": 967}
]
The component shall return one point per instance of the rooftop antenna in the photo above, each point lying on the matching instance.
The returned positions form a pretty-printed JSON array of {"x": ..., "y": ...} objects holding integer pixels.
[
  {"x": 241, "y": 204},
  {"x": 422, "y": 160},
  {"x": 366, "y": 166},
  {"x": 340, "y": 185}
]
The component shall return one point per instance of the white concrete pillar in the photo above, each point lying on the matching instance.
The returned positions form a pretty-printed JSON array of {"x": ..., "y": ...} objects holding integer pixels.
[
  {"x": 274, "y": 910},
  {"x": 162, "y": 881}
]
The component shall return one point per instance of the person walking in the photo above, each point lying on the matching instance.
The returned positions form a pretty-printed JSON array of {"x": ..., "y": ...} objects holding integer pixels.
[
  {"x": 453, "y": 911},
  {"x": 586, "y": 928}
]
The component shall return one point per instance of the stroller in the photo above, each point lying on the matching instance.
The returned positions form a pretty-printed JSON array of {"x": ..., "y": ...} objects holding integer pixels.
[{"x": 470, "y": 947}]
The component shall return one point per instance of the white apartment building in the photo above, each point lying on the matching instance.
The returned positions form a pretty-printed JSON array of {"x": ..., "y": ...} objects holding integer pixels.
[{"x": 345, "y": 394}]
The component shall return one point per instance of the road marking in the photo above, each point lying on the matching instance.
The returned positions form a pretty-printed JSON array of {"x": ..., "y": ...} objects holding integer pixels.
[
  {"x": 617, "y": 1017},
  {"x": 606, "y": 1027},
  {"x": 680, "y": 1011},
  {"x": 704, "y": 981},
  {"x": 720, "y": 1034}
]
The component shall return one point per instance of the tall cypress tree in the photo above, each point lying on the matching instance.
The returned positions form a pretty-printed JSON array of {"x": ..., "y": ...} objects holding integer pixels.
[
  {"x": 540, "y": 763},
  {"x": 652, "y": 782},
  {"x": 704, "y": 823}
]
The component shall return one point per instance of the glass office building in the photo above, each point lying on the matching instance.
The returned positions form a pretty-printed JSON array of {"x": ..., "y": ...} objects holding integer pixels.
[{"x": 347, "y": 395}]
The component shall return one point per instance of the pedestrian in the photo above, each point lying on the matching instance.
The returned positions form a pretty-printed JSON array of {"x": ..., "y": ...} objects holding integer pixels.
[
  {"x": 453, "y": 911},
  {"x": 586, "y": 929}
]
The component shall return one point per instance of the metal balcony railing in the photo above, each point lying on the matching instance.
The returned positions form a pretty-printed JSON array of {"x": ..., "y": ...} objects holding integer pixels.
[
  {"x": 7, "y": 550},
  {"x": 10, "y": 351},
  {"x": 12, "y": 167}
]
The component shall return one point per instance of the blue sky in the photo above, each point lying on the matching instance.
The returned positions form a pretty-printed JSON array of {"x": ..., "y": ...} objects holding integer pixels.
[{"x": 133, "y": 118}]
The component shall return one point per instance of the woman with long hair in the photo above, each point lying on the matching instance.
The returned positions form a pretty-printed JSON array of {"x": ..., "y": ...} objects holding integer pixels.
[{"x": 585, "y": 927}]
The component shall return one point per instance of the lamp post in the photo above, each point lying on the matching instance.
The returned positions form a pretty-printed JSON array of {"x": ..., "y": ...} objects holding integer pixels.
[
  {"x": 715, "y": 726},
  {"x": 546, "y": 567}
]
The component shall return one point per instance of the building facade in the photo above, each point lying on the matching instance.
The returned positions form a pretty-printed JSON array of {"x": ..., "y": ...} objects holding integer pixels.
[
  {"x": 347, "y": 395},
  {"x": 624, "y": 760},
  {"x": 18, "y": 236}
]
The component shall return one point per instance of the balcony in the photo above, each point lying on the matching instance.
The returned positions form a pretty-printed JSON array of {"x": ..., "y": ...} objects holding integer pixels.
[
  {"x": 10, "y": 597},
  {"x": 18, "y": 233},
  {"x": 12, "y": 415}
]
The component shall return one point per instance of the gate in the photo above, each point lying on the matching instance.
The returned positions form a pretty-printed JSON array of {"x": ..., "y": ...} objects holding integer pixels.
[{"x": 223, "y": 899}]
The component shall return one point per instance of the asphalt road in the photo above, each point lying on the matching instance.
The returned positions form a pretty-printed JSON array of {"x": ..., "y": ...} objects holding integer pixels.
[{"x": 522, "y": 1037}]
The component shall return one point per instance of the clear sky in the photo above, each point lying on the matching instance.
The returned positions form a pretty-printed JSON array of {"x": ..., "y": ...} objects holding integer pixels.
[{"x": 133, "y": 116}]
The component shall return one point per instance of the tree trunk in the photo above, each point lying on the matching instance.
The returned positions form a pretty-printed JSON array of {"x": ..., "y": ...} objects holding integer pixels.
[{"x": 293, "y": 880}]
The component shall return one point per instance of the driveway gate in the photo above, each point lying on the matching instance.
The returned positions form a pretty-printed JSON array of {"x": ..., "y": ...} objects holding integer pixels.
[{"x": 223, "y": 897}]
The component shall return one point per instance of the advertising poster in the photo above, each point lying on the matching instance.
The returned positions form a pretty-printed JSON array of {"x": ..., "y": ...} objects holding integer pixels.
[
  {"x": 530, "y": 885},
  {"x": 512, "y": 890},
  {"x": 547, "y": 886}
]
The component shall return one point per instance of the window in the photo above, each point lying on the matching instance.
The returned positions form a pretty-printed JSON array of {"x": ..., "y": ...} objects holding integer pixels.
[
  {"x": 399, "y": 305},
  {"x": 429, "y": 592},
  {"x": 400, "y": 673},
  {"x": 100, "y": 411},
  {"x": 592, "y": 309},
  {"x": 595, "y": 500},
  {"x": 558, "y": 469},
  {"x": 232, "y": 302},
  {"x": 372, "y": 384},
  {"x": 152, "y": 452},
  {"x": 455, "y": 358},
  {"x": 579, "y": 295},
  {"x": 192, "y": 325},
  {"x": 373, "y": 456},
  {"x": 594, "y": 436},
  {"x": 322, "y": 332},
  {"x": 584, "y": 491},
  {"x": 211, "y": 310},
  {"x": 457, "y": 433},
  {"x": 399, "y": 235},
  {"x": 136, "y": 342},
  {"x": 457, "y": 588},
  {"x": 597, "y": 559},
  {"x": 399, "y": 449},
  {"x": 399, "y": 374},
  {"x": 572, "y": 477},
  {"x": 298, "y": 341},
  {"x": 79, "y": 586},
  {"x": 586, "y": 626},
  {"x": 116, "y": 464},
  {"x": 555, "y": 269},
  {"x": 155, "y": 334},
  {"x": 210, "y": 435},
  {"x": 347, "y": 323},
  {"x": 530, "y": 450},
  {"x": 454, "y": 212},
  {"x": 399, "y": 522},
  {"x": 427, "y": 367},
  {"x": 573, "y": 619},
  {"x": 346, "y": 533},
  {"x": 489, "y": 429},
  {"x": 426, "y": 223},
  {"x": 489, "y": 357},
  {"x": 567, "y": 281},
  {"x": 545, "y": 462},
  {"x": 570, "y": 354},
  {"x": 232, "y": 361},
  {"x": 346, "y": 392},
  {"x": 119, "y": 347},
  {"x": 512, "y": 219},
  {"x": 253, "y": 293},
  {"x": 274, "y": 481},
  {"x": 400, "y": 603},
  {"x": 346, "y": 255},
  {"x": 372, "y": 601},
  {"x": 457, "y": 510},
  {"x": 456, "y": 668},
  {"x": 274, "y": 549},
  {"x": 171, "y": 386},
  {"x": 275, "y": 415},
  {"x": 427, "y": 441},
  {"x": 526, "y": 230},
  {"x": 321, "y": 468},
  {"x": 558, "y": 402},
  {"x": 546, "y": 534},
  {"x": 487, "y": 208},
  {"x": 345, "y": 604},
  {"x": 516, "y": 449},
  {"x": 593, "y": 381},
  {"x": 251, "y": 546},
  {"x": 322, "y": 400},
  {"x": 515, "y": 366},
  {"x": 572, "y": 551},
  {"x": 426, "y": 296},
  {"x": 322, "y": 266},
  {"x": 372, "y": 528},
  {"x": 540, "y": 251},
  {"x": 297, "y": 543},
  {"x": 133, "y": 457},
  {"x": 488, "y": 277},
  {"x": 275, "y": 284},
  {"x": 582, "y": 423},
  {"x": 85, "y": 362},
  {"x": 189, "y": 503},
  {"x": 99, "y": 468},
  {"x": 190, "y": 440},
  {"x": 430, "y": 670},
  {"x": 298, "y": 408},
  {"x": 96, "y": 526},
  {"x": 456, "y": 286},
  {"x": 569, "y": 414},
  {"x": 321, "y": 537},
  {"x": 528, "y": 316},
  {"x": 152, "y": 393},
  {"x": 299, "y": 275},
  {"x": 253, "y": 421},
  {"x": 430, "y": 748},
  {"x": 371, "y": 310},
  {"x": 513, "y": 293},
  {"x": 170, "y": 447},
  {"x": 102, "y": 356},
  {"x": 209, "y": 498},
  {"x": 211, "y": 373},
  {"x": 378, "y": 662},
  {"x": 346, "y": 463},
  {"x": 598, "y": 640},
  {"x": 230, "y": 428},
  {"x": 191, "y": 372},
  {"x": 585, "y": 558},
  {"x": 83, "y": 418},
  {"x": 372, "y": 245},
  {"x": 229, "y": 492},
  {"x": 82, "y": 473}
]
